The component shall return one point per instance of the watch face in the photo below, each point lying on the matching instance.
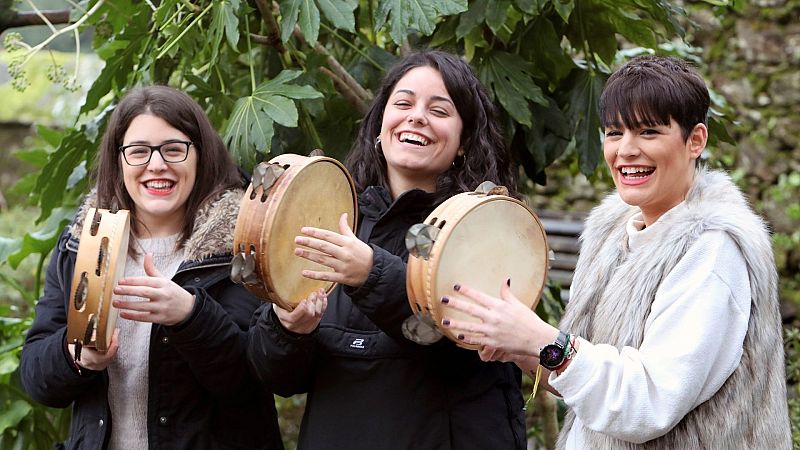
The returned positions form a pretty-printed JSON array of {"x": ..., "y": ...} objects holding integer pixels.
[{"x": 551, "y": 356}]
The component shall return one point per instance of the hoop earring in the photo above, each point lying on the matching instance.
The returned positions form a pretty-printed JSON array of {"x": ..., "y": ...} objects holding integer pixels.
[
  {"x": 377, "y": 144},
  {"x": 459, "y": 162}
]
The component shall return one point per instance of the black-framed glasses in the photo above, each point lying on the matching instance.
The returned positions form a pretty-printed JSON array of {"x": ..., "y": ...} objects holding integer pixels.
[{"x": 140, "y": 154}]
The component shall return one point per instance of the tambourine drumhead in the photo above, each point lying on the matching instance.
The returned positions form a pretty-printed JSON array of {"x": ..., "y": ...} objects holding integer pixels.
[
  {"x": 313, "y": 192},
  {"x": 483, "y": 241},
  {"x": 99, "y": 266}
]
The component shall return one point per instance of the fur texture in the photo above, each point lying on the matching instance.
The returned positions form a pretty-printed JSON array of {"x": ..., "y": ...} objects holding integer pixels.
[
  {"x": 213, "y": 229},
  {"x": 750, "y": 409}
]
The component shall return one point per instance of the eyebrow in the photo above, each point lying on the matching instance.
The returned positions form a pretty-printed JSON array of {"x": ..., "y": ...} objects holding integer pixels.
[
  {"x": 435, "y": 97},
  {"x": 165, "y": 141}
]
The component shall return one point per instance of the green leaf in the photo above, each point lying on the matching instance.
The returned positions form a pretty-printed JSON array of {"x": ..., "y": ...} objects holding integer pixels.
[
  {"x": 474, "y": 16},
  {"x": 250, "y": 128},
  {"x": 510, "y": 77},
  {"x": 290, "y": 9},
  {"x": 50, "y": 135},
  {"x": 223, "y": 23},
  {"x": 636, "y": 30},
  {"x": 42, "y": 241},
  {"x": 13, "y": 414},
  {"x": 420, "y": 15},
  {"x": 24, "y": 186},
  {"x": 9, "y": 246},
  {"x": 232, "y": 23},
  {"x": 473, "y": 40},
  {"x": 583, "y": 108},
  {"x": 60, "y": 171},
  {"x": 304, "y": 14},
  {"x": 9, "y": 361},
  {"x": 532, "y": 7},
  {"x": 543, "y": 47},
  {"x": 496, "y": 14},
  {"x": 340, "y": 13},
  {"x": 35, "y": 156},
  {"x": 564, "y": 8},
  {"x": 445, "y": 32}
]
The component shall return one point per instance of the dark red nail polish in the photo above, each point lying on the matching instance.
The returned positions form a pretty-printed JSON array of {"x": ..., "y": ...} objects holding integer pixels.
[
  {"x": 460, "y": 337},
  {"x": 456, "y": 287},
  {"x": 446, "y": 322},
  {"x": 508, "y": 282},
  {"x": 445, "y": 300}
]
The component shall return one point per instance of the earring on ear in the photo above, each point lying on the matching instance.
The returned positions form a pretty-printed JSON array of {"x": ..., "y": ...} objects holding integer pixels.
[{"x": 378, "y": 144}]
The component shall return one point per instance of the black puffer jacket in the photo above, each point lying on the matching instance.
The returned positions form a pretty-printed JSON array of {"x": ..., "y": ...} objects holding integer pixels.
[
  {"x": 369, "y": 387},
  {"x": 200, "y": 395}
]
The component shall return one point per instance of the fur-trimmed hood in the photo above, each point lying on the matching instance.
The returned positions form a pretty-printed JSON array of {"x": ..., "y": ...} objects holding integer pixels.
[{"x": 212, "y": 234}]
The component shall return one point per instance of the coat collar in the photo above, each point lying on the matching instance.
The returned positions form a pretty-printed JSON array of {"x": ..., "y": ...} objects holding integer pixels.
[{"x": 214, "y": 225}]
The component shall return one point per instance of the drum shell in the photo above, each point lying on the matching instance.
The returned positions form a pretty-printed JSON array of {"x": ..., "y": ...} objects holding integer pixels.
[
  {"x": 101, "y": 274},
  {"x": 312, "y": 191},
  {"x": 483, "y": 240}
]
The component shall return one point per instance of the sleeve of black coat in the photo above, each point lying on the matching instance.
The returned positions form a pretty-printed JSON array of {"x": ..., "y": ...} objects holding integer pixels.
[
  {"x": 383, "y": 297},
  {"x": 47, "y": 372},
  {"x": 213, "y": 340},
  {"x": 282, "y": 361}
]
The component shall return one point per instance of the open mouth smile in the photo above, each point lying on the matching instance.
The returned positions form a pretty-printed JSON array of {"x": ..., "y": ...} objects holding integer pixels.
[{"x": 413, "y": 139}]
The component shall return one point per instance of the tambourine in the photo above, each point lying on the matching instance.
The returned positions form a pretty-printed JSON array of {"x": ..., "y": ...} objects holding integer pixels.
[
  {"x": 100, "y": 264},
  {"x": 287, "y": 193},
  {"x": 477, "y": 238}
]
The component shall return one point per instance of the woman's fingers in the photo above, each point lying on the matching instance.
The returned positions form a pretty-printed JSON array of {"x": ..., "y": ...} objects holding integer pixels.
[
  {"x": 344, "y": 227},
  {"x": 478, "y": 297},
  {"x": 318, "y": 246},
  {"x": 319, "y": 258},
  {"x": 316, "y": 236}
]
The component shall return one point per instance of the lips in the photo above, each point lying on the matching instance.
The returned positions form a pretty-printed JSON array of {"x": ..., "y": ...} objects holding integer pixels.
[
  {"x": 159, "y": 187},
  {"x": 633, "y": 175}
]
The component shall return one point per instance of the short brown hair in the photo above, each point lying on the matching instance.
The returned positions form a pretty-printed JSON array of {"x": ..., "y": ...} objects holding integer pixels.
[{"x": 651, "y": 90}]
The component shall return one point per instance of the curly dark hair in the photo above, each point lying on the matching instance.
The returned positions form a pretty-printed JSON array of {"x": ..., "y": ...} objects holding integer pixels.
[{"x": 486, "y": 156}]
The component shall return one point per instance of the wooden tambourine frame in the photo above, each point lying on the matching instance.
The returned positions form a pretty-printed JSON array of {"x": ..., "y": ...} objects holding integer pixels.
[
  {"x": 287, "y": 193},
  {"x": 478, "y": 239},
  {"x": 100, "y": 264}
]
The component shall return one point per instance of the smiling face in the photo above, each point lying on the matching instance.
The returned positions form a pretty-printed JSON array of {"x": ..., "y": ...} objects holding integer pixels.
[
  {"x": 159, "y": 190},
  {"x": 653, "y": 166},
  {"x": 420, "y": 132}
]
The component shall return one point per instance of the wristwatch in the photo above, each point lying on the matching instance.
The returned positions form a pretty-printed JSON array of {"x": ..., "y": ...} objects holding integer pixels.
[{"x": 552, "y": 356}]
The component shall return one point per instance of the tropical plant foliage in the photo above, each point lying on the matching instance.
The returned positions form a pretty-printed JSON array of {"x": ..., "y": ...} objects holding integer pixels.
[{"x": 294, "y": 75}]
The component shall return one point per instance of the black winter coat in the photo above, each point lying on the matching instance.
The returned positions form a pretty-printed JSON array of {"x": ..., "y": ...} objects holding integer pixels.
[
  {"x": 200, "y": 394},
  {"x": 369, "y": 387}
]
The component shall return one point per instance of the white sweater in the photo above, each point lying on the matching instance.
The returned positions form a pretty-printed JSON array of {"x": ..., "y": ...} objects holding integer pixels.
[
  {"x": 128, "y": 371},
  {"x": 692, "y": 343}
]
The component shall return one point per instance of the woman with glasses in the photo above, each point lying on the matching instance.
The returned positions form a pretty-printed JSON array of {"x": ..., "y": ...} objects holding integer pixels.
[{"x": 175, "y": 373}]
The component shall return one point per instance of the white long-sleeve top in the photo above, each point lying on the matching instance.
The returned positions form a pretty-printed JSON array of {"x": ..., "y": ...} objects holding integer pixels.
[{"x": 692, "y": 343}]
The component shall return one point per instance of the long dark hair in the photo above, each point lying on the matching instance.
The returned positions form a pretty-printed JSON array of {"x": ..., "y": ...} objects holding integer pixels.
[
  {"x": 216, "y": 172},
  {"x": 486, "y": 156}
]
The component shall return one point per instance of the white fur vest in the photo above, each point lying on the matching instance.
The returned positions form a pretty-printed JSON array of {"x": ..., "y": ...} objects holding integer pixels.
[{"x": 750, "y": 409}]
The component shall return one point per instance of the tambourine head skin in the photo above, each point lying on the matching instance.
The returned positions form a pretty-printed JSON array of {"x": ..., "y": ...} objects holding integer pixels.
[
  {"x": 482, "y": 241},
  {"x": 100, "y": 264},
  {"x": 307, "y": 192}
]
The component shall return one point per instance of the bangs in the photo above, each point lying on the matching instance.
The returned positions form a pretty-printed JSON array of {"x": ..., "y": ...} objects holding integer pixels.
[{"x": 632, "y": 103}]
